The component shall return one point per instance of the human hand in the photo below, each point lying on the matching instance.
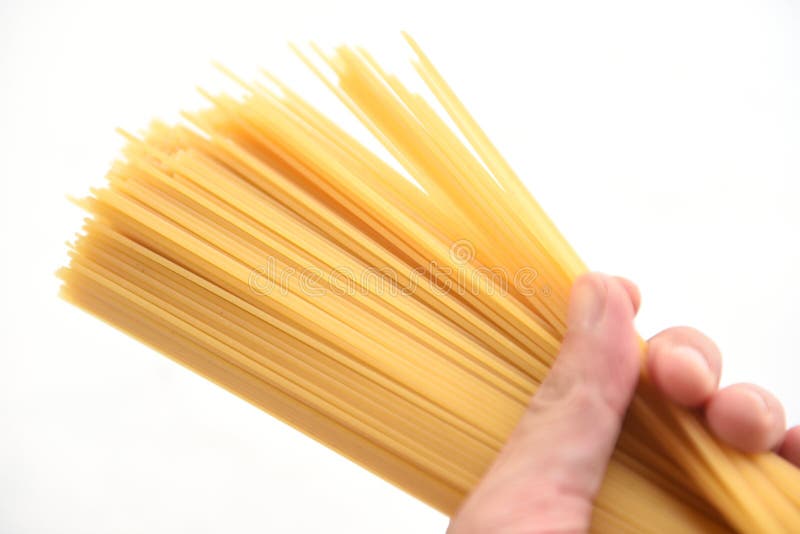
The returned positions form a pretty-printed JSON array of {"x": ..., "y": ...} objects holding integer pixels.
[{"x": 549, "y": 471}]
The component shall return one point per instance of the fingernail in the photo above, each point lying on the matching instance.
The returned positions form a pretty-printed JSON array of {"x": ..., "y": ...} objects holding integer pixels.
[
  {"x": 694, "y": 358},
  {"x": 587, "y": 302},
  {"x": 761, "y": 401}
]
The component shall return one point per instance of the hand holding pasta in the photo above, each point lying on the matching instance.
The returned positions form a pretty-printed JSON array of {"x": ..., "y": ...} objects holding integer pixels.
[
  {"x": 547, "y": 475},
  {"x": 264, "y": 247}
]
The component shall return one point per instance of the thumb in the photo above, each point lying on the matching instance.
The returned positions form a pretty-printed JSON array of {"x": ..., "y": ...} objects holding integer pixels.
[{"x": 549, "y": 471}]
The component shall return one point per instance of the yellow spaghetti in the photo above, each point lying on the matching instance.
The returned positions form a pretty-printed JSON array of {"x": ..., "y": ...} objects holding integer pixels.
[{"x": 403, "y": 325}]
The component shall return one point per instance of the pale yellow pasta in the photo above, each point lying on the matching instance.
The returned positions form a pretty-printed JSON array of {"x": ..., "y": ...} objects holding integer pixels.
[{"x": 263, "y": 247}]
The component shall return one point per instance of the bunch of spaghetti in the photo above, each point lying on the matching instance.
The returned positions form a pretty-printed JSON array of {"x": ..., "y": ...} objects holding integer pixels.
[{"x": 405, "y": 325}]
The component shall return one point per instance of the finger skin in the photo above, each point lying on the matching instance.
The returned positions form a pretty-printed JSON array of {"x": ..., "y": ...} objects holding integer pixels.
[
  {"x": 790, "y": 448},
  {"x": 747, "y": 417},
  {"x": 546, "y": 476},
  {"x": 684, "y": 365}
]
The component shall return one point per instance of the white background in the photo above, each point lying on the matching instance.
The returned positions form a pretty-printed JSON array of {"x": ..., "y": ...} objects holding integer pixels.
[{"x": 662, "y": 137}]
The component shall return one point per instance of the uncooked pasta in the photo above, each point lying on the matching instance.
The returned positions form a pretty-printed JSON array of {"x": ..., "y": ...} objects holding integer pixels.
[{"x": 404, "y": 324}]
